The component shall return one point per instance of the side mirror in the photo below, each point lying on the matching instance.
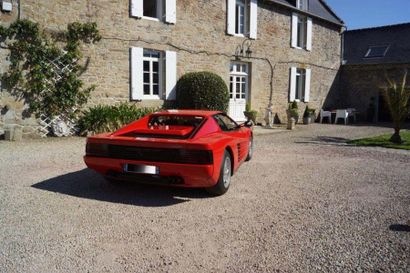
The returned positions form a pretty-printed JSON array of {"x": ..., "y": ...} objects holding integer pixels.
[{"x": 247, "y": 123}]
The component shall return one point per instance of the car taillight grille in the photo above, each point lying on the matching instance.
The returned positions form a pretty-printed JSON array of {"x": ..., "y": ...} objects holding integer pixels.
[{"x": 183, "y": 156}]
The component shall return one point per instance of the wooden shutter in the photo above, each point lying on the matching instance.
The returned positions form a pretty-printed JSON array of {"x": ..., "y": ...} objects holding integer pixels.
[
  {"x": 170, "y": 74},
  {"x": 137, "y": 73},
  {"x": 292, "y": 89},
  {"x": 137, "y": 9},
  {"x": 253, "y": 23},
  {"x": 231, "y": 5},
  {"x": 307, "y": 84},
  {"x": 294, "y": 30},
  {"x": 309, "y": 34},
  {"x": 170, "y": 11}
]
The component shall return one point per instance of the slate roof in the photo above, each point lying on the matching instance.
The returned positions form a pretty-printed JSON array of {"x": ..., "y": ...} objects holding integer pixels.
[
  {"x": 396, "y": 37},
  {"x": 317, "y": 8}
]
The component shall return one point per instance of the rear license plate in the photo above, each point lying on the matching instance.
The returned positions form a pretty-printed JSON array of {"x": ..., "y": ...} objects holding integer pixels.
[{"x": 142, "y": 169}]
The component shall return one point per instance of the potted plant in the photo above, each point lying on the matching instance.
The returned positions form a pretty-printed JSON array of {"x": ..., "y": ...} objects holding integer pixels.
[
  {"x": 293, "y": 115},
  {"x": 308, "y": 115},
  {"x": 250, "y": 114}
]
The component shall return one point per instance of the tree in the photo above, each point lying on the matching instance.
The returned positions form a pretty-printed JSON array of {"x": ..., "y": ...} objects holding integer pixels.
[{"x": 397, "y": 97}]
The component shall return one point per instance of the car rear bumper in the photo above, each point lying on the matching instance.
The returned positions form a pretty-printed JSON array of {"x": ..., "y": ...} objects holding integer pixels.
[{"x": 179, "y": 175}]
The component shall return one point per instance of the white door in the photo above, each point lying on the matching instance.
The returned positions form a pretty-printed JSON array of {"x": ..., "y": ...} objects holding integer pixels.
[{"x": 238, "y": 90}]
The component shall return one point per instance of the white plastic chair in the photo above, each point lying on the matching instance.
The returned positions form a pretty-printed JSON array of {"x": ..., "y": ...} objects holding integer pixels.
[
  {"x": 352, "y": 112},
  {"x": 343, "y": 114},
  {"x": 325, "y": 114}
]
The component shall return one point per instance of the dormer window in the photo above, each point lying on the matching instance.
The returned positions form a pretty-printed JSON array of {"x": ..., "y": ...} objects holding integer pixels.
[
  {"x": 377, "y": 51},
  {"x": 302, "y": 4}
]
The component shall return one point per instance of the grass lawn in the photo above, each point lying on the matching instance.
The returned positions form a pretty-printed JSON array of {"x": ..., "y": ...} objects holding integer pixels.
[{"x": 383, "y": 141}]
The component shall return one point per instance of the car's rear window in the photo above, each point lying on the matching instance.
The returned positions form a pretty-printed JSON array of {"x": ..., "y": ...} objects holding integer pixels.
[
  {"x": 169, "y": 126},
  {"x": 174, "y": 120}
]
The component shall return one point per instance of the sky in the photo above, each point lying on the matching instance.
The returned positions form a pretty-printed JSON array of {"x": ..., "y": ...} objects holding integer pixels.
[{"x": 371, "y": 13}]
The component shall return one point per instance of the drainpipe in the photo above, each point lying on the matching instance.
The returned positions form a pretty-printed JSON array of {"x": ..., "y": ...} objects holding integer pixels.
[{"x": 18, "y": 9}]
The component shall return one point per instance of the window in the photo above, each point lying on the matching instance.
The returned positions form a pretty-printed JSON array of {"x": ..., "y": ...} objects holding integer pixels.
[
  {"x": 152, "y": 64},
  {"x": 157, "y": 10},
  {"x": 152, "y": 8},
  {"x": 238, "y": 81},
  {"x": 153, "y": 74},
  {"x": 301, "y": 32},
  {"x": 225, "y": 122},
  {"x": 302, "y": 4},
  {"x": 377, "y": 51},
  {"x": 242, "y": 18},
  {"x": 300, "y": 84}
]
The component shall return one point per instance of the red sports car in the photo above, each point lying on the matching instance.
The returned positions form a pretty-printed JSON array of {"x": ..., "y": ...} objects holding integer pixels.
[{"x": 185, "y": 148}]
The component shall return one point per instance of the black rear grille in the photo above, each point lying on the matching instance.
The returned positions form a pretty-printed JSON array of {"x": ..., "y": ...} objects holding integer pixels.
[{"x": 184, "y": 156}]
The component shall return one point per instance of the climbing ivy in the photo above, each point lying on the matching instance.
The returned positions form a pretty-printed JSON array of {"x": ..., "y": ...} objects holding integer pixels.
[{"x": 33, "y": 76}]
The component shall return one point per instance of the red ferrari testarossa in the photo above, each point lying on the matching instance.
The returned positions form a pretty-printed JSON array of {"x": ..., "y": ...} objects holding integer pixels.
[{"x": 185, "y": 148}]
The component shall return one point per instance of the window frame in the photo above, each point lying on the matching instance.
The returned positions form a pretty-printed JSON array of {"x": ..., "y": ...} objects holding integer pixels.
[
  {"x": 151, "y": 60},
  {"x": 369, "y": 50},
  {"x": 302, "y": 25},
  {"x": 246, "y": 20},
  {"x": 302, "y": 5},
  {"x": 233, "y": 73},
  {"x": 300, "y": 88}
]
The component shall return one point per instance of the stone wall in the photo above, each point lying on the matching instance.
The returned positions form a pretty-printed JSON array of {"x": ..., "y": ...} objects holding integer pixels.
[
  {"x": 361, "y": 83},
  {"x": 200, "y": 27}
]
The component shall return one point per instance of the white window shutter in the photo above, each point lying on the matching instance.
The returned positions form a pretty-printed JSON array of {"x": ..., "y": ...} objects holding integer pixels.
[
  {"x": 171, "y": 11},
  {"x": 292, "y": 90},
  {"x": 170, "y": 74},
  {"x": 137, "y": 73},
  {"x": 231, "y": 17},
  {"x": 307, "y": 84},
  {"x": 309, "y": 34},
  {"x": 253, "y": 25},
  {"x": 137, "y": 9},
  {"x": 294, "y": 30}
]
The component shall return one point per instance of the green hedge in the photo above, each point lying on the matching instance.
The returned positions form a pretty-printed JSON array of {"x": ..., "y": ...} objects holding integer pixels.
[
  {"x": 108, "y": 118},
  {"x": 202, "y": 90}
]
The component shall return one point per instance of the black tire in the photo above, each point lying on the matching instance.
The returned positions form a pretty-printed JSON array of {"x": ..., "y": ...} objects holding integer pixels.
[
  {"x": 224, "y": 180},
  {"x": 250, "y": 151}
]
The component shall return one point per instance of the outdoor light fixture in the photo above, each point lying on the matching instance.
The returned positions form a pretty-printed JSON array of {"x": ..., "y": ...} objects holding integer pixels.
[{"x": 244, "y": 50}]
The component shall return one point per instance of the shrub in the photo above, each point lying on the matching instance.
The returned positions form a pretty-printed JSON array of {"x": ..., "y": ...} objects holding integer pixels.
[
  {"x": 202, "y": 90},
  {"x": 309, "y": 112},
  {"x": 108, "y": 118},
  {"x": 293, "y": 110}
]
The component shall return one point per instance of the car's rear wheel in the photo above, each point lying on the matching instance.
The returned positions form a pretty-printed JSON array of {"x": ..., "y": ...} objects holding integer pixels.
[
  {"x": 250, "y": 149},
  {"x": 225, "y": 174}
]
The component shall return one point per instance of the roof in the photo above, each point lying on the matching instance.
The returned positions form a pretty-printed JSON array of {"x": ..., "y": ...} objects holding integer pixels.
[
  {"x": 204, "y": 113},
  {"x": 394, "y": 38},
  {"x": 317, "y": 8}
]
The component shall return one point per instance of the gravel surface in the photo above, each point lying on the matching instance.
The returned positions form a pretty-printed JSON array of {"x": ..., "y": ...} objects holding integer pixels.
[{"x": 306, "y": 202}]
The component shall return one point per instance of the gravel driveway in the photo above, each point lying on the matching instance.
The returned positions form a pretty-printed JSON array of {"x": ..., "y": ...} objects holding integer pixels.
[{"x": 305, "y": 203}]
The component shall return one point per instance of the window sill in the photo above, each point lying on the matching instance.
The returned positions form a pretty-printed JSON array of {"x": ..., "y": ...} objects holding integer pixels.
[
  {"x": 240, "y": 35},
  {"x": 153, "y": 97},
  {"x": 150, "y": 18}
]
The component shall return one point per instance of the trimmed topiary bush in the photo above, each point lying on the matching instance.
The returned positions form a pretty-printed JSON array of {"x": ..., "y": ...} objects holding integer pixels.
[{"x": 202, "y": 90}]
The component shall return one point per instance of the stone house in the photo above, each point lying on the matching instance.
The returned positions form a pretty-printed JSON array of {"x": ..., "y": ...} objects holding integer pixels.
[
  {"x": 368, "y": 55},
  {"x": 269, "y": 52}
]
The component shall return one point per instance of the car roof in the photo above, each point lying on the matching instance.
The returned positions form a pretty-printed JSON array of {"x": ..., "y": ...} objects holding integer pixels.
[{"x": 205, "y": 113}]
